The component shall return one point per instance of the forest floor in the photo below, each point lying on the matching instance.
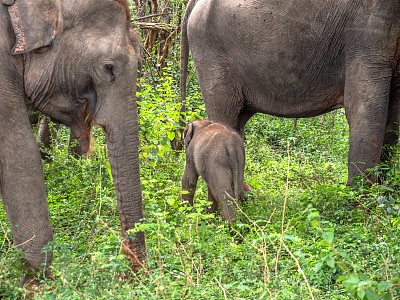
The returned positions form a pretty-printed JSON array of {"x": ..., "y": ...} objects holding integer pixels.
[{"x": 302, "y": 234}]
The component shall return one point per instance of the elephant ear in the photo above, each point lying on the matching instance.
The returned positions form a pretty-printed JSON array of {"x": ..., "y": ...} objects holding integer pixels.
[
  {"x": 35, "y": 23},
  {"x": 187, "y": 134},
  {"x": 136, "y": 43}
]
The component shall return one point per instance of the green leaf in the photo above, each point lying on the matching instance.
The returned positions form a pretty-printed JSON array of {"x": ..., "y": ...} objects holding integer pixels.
[
  {"x": 164, "y": 141},
  {"x": 351, "y": 282},
  {"x": 330, "y": 261},
  {"x": 170, "y": 201},
  {"x": 383, "y": 286},
  {"x": 352, "y": 279},
  {"x": 395, "y": 279},
  {"x": 171, "y": 135},
  {"x": 289, "y": 237},
  {"x": 371, "y": 295},
  {"x": 340, "y": 279},
  {"x": 315, "y": 223},
  {"x": 364, "y": 277},
  {"x": 318, "y": 267},
  {"x": 361, "y": 293},
  {"x": 328, "y": 237},
  {"x": 387, "y": 297}
]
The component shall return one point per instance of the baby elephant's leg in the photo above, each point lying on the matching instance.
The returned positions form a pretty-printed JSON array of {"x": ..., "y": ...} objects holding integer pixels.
[
  {"x": 221, "y": 183},
  {"x": 189, "y": 183},
  {"x": 227, "y": 211},
  {"x": 214, "y": 204}
]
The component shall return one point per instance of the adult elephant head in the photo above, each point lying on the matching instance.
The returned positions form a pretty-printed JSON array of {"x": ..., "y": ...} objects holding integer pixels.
[{"x": 77, "y": 62}]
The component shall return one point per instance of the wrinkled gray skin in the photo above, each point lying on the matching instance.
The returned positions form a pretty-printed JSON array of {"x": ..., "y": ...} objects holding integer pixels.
[
  {"x": 77, "y": 63},
  {"x": 216, "y": 153},
  {"x": 300, "y": 59}
]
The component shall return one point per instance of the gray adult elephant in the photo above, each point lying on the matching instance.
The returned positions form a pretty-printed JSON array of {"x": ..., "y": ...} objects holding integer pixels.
[
  {"x": 77, "y": 62},
  {"x": 300, "y": 59}
]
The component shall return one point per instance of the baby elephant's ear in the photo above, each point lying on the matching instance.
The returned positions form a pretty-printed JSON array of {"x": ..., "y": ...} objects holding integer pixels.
[
  {"x": 187, "y": 134},
  {"x": 35, "y": 23}
]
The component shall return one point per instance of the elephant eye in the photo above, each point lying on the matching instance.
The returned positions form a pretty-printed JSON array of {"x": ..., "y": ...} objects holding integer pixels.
[
  {"x": 42, "y": 50},
  {"x": 109, "y": 69}
]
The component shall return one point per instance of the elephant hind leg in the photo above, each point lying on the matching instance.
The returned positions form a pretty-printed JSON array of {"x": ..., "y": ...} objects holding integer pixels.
[
  {"x": 366, "y": 104},
  {"x": 222, "y": 94},
  {"x": 214, "y": 204},
  {"x": 220, "y": 185},
  {"x": 244, "y": 116}
]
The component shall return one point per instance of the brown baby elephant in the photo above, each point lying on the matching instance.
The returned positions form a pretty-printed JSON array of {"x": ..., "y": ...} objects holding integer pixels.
[{"x": 216, "y": 153}]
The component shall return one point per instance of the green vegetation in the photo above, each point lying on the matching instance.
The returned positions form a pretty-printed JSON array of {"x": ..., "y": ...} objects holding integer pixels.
[{"x": 302, "y": 233}]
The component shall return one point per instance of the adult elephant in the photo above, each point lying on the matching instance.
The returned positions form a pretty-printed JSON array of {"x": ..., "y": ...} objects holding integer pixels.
[
  {"x": 300, "y": 59},
  {"x": 77, "y": 62}
]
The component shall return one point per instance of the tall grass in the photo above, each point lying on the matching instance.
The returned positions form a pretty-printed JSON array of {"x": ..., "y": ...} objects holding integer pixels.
[{"x": 302, "y": 234}]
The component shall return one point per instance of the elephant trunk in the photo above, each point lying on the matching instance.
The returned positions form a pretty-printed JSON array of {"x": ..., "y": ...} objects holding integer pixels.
[{"x": 122, "y": 132}]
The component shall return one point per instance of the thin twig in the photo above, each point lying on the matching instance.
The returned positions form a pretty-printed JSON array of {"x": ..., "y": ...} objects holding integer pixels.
[
  {"x": 159, "y": 261},
  {"x": 141, "y": 264},
  {"x": 264, "y": 245},
  {"x": 72, "y": 286},
  {"x": 199, "y": 272},
  {"x": 88, "y": 249},
  {"x": 283, "y": 213},
  {"x": 9, "y": 246},
  {"x": 299, "y": 269},
  {"x": 178, "y": 250},
  {"x": 158, "y": 26},
  {"x": 127, "y": 249},
  {"x": 16, "y": 246},
  {"x": 151, "y": 16},
  {"x": 221, "y": 287}
]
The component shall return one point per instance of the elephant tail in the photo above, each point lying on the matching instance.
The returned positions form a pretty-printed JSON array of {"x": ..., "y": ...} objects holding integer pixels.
[
  {"x": 185, "y": 51},
  {"x": 183, "y": 74}
]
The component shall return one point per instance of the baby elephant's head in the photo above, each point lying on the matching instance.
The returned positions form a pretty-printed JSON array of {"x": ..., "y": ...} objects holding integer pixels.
[{"x": 191, "y": 128}]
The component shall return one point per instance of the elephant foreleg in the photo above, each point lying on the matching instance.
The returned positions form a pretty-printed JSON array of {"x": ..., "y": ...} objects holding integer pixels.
[
  {"x": 46, "y": 138},
  {"x": 189, "y": 183},
  {"x": 22, "y": 186}
]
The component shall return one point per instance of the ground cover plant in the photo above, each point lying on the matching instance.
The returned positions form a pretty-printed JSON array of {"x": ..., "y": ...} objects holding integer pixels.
[{"x": 302, "y": 234}]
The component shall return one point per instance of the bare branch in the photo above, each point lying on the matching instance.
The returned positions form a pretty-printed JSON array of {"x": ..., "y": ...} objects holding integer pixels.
[
  {"x": 151, "y": 16},
  {"x": 157, "y": 26}
]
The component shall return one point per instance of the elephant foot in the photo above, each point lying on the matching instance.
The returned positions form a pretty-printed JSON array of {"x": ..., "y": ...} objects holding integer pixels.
[
  {"x": 212, "y": 207},
  {"x": 136, "y": 260},
  {"x": 246, "y": 188},
  {"x": 243, "y": 196},
  {"x": 228, "y": 214}
]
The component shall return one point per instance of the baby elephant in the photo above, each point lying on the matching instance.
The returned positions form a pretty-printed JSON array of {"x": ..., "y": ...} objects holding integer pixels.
[{"x": 216, "y": 153}]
